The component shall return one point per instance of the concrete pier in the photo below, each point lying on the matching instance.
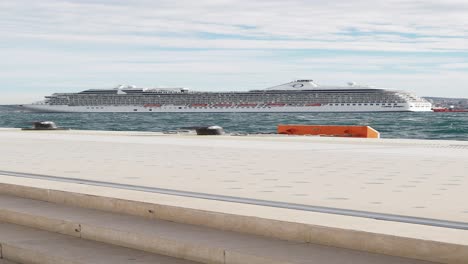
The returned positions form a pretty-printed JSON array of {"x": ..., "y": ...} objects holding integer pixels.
[{"x": 237, "y": 199}]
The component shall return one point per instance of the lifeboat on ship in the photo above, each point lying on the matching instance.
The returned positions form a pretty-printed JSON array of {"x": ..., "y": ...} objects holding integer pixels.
[
  {"x": 199, "y": 105},
  {"x": 276, "y": 104},
  {"x": 151, "y": 105},
  {"x": 222, "y": 105},
  {"x": 247, "y": 105}
]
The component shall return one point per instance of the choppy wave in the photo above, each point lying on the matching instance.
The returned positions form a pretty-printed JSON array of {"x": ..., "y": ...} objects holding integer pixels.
[{"x": 452, "y": 126}]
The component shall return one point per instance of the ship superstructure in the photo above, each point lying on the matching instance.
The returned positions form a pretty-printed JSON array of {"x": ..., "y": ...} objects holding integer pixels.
[{"x": 296, "y": 96}]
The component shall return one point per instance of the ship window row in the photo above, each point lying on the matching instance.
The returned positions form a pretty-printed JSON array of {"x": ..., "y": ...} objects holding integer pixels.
[
  {"x": 214, "y": 102},
  {"x": 227, "y": 95},
  {"x": 225, "y": 102},
  {"x": 216, "y": 98},
  {"x": 352, "y": 100},
  {"x": 150, "y": 99},
  {"x": 239, "y": 99},
  {"x": 236, "y": 95},
  {"x": 369, "y": 104},
  {"x": 85, "y": 102},
  {"x": 257, "y": 103}
]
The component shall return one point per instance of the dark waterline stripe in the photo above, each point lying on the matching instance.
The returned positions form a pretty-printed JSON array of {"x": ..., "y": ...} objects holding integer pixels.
[{"x": 224, "y": 198}]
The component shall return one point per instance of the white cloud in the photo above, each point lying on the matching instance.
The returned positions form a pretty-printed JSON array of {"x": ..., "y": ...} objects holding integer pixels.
[
  {"x": 455, "y": 66},
  {"x": 54, "y": 45},
  {"x": 286, "y": 24}
]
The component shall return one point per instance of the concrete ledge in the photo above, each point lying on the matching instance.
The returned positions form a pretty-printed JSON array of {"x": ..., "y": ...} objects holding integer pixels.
[
  {"x": 181, "y": 241},
  {"x": 4, "y": 261},
  {"x": 396, "y": 239},
  {"x": 40, "y": 222},
  {"x": 30, "y": 246}
]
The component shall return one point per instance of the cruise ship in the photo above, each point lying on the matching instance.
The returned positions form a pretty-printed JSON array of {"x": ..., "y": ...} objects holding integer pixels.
[{"x": 296, "y": 96}]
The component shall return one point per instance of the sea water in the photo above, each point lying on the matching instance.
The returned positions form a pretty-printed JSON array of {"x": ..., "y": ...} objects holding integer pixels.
[{"x": 448, "y": 126}]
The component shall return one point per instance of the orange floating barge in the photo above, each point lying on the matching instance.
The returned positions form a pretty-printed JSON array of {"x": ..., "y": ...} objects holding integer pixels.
[{"x": 329, "y": 131}]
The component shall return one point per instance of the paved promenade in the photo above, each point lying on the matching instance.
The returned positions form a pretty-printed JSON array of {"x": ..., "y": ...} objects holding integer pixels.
[
  {"x": 427, "y": 179},
  {"x": 399, "y": 198}
]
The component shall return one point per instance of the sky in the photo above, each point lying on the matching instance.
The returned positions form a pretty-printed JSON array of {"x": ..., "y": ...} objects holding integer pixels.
[{"x": 52, "y": 46}]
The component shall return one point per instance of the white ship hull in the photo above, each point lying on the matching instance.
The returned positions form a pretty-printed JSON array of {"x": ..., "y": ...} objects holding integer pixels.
[
  {"x": 296, "y": 96},
  {"x": 401, "y": 107}
]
